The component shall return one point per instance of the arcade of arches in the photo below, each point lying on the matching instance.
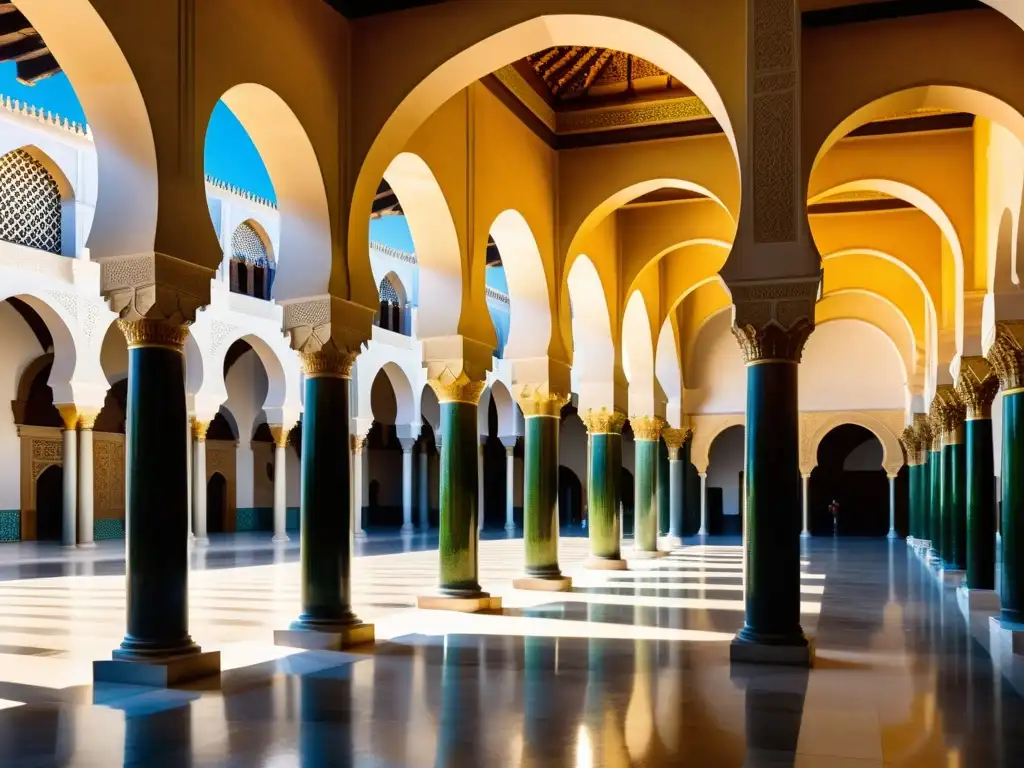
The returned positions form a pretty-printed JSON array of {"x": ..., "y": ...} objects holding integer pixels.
[{"x": 663, "y": 283}]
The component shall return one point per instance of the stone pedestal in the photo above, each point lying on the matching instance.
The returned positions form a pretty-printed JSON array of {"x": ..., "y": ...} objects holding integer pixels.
[
  {"x": 644, "y": 554},
  {"x": 977, "y": 601},
  {"x": 595, "y": 563},
  {"x": 475, "y": 604},
  {"x": 742, "y": 652},
  {"x": 558, "y": 584},
  {"x": 326, "y": 639},
  {"x": 158, "y": 672},
  {"x": 951, "y": 577},
  {"x": 1005, "y": 638}
]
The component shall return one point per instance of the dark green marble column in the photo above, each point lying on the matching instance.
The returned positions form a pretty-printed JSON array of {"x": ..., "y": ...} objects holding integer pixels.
[
  {"x": 915, "y": 501},
  {"x": 908, "y": 439},
  {"x": 664, "y": 491},
  {"x": 924, "y": 495},
  {"x": 325, "y": 529},
  {"x": 1011, "y": 587},
  {"x": 604, "y": 524},
  {"x": 458, "y": 587},
  {"x": 935, "y": 493},
  {"x": 981, "y": 504},
  {"x": 772, "y": 632},
  {"x": 957, "y": 507},
  {"x": 540, "y": 494},
  {"x": 156, "y": 548},
  {"x": 647, "y": 436}
]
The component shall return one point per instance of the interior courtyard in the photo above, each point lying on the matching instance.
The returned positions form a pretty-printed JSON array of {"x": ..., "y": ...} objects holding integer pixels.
[{"x": 511, "y": 382}]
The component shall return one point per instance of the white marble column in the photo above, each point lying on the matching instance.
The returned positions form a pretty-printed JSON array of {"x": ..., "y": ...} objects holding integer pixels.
[
  {"x": 69, "y": 458},
  {"x": 424, "y": 487},
  {"x": 407, "y": 446},
  {"x": 280, "y": 435},
  {"x": 188, "y": 474},
  {"x": 86, "y": 422},
  {"x": 199, "y": 481},
  {"x": 703, "y": 504},
  {"x": 892, "y": 508},
  {"x": 806, "y": 501},
  {"x": 480, "y": 484},
  {"x": 675, "y": 499},
  {"x": 510, "y": 483},
  {"x": 358, "y": 443}
]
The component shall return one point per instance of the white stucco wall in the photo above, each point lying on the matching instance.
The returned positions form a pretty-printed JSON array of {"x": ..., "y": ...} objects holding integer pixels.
[{"x": 718, "y": 381}]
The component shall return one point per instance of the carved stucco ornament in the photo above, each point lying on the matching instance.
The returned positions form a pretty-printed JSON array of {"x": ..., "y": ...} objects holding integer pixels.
[
  {"x": 977, "y": 387},
  {"x": 1006, "y": 355},
  {"x": 774, "y": 319},
  {"x": 646, "y": 427},
  {"x": 539, "y": 400},
  {"x": 328, "y": 334},
  {"x": 923, "y": 429},
  {"x": 909, "y": 442},
  {"x": 604, "y": 422}
]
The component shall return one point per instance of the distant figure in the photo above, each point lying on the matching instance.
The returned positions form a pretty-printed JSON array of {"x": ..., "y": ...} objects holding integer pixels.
[{"x": 834, "y": 509}]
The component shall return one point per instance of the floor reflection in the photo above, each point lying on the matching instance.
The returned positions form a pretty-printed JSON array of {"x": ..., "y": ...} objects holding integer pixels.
[{"x": 629, "y": 669}]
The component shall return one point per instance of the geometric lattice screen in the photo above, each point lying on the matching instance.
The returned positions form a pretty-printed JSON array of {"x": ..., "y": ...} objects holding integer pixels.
[
  {"x": 29, "y": 203},
  {"x": 388, "y": 292},
  {"x": 248, "y": 246}
]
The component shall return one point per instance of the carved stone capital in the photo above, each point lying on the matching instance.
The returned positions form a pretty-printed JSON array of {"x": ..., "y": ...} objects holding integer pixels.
[
  {"x": 948, "y": 414},
  {"x": 456, "y": 367},
  {"x": 774, "y": 319},
  {"x": 646, "y": 427},
  {"x": 604, "y": 422},
  {"x": 539, "y": 400},
  {"x": 154, "y": 286},
  {"x": 923, "y": 428},
  {"x": 280, "y": 433},
  {"x": 452, "y": 387},
  {"x": 153, "y": 332},
  {"x": 909, "y": 441},
  {"x": 1006, "y": 355},
  {"x": 199, "y": 428},
  {"x": 674, "y": 439},
  {"x": 326, "y": 322},
  {"x": 328, "y": 362},
  {"x": 977, "y": 386},
  {"x": 87, "y": 418},
  {"x": 358, "y": 443},
  {"x": 69, "y": 415}
]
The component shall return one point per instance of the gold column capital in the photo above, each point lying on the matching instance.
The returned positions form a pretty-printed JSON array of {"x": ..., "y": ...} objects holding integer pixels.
[
  {"x": 199, "y": 429},
  {"x": 604, "y": 422},
  {"x": 358, "y": 443},
  {"x": 69, "y": 415},
  {"x": 280, "y": 435},
  {"x": 328, "y": 362},
  {"x": 923, "y": 429},
  {"x": 977, "y": 386},
  {"x": 675, "y": 438},
  {"x": 539, "y": 400},
  {"x": 949, "y": 414},
  {"x": 154, "y": 332},
  {"x": 646, "y": 427},
  {"x": 909, "y": 441},
  {"x": 87, "y": 418},
  {"x": 1006, "y": 355},
  {"x": 773, "y": 319},
  {"x": 451, "y": 387}
]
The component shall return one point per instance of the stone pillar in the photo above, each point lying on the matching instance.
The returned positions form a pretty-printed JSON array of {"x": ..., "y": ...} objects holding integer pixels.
[
  {"x": 510, "y": 483},
  {"x": 86, "y": 422},
  {"x": 604, "y": 521},
  {"x": 542, "y": 410},
  {"x": 675, "y": 439},
  {"x": 772, "y": 352},
  {"x": 459, "y": 588},
  {"x": 407, "y": 446},
  {"x": 157, "y": 649},
  {"x": 892, "y": 508},
  {"x": 69, "y": 458},
  {"x": 954, "y": 485},
  {"x": 935, "y": 520},
  {"x": 908, "y": 439},
  {"x": 805, "y": 498},
  {"x": 703, "y": 531},
  {"x": 480, "y": 480},
  {"x": 358, "y": 446},
  {"x": 1006, "y": 356},
  {"x": 424, "y": 487},
  {"x": 977, "y": 386},
  {"x": 646, "y": 436},
  {"x": 325, "y": 532},
  {"x": 199, "y": 428},
  {"x": 280, "y": 435},
  {"x": 664, "y": 493}
]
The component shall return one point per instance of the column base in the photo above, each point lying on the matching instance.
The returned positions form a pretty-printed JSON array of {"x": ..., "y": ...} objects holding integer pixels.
[
  {"x": 359, "y": 535},
  {"x": 407, "y": 528},
  {"x": 645, "y": 554},
  {"x": 157, "y": 672},
  {"x": 797, "y": 651},
  {"x": 1005, "y": 637},
  {"x": 282, "y": 539},
  {"x": 892, "y": 534},
  {"x": 702, "y": 533},
  {"x": 594, "y": 563},
  {"x": 87, "y": 545},
  {"x": 672, "y": 542},
  {"x": 973, "y": 601},
  {"x": 69, "y": 547},
  {"x": 510, "y": 528},
  {"x": 805, "y": 534},
  {"x": 201, "y": 541},
  {"x": 541, "y": 584},
  {"x": 468, "y": 604},
  {"x": 327, "y": 638}
]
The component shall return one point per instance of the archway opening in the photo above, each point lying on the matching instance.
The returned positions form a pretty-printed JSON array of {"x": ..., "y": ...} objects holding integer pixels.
[
  {"x": 570, "y": 498},
  {"x": 50, "y": 503},
  {"x": 393, "y": 312},
  {"x": 382, "y": 455},
  {"x": 724, "y": 485},
  {"x": 849, "y": 489},
  {"x": 216, "y": 503}
]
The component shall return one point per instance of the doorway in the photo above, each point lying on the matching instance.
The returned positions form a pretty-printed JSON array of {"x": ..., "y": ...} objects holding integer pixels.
[
  {"x": 50, "y": 504},
  {"x": 216, "y": 503},
  {"x": 570, "y": 498}
]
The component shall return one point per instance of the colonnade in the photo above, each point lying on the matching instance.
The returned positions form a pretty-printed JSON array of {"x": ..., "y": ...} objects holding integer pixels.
[
  {"x": 77, "y": 461},
  {"x": 953, "y": 512}
]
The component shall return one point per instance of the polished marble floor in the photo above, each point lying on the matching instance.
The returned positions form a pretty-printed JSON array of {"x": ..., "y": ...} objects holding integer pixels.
[{"x": 629, "y": 669}]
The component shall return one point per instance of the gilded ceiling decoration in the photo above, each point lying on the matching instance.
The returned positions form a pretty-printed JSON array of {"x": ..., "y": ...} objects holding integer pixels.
[{"x": 574, "y": 72}]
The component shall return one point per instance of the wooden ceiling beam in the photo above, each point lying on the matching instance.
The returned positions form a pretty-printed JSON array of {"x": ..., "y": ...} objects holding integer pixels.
[{"x": 31, "y": 71}]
